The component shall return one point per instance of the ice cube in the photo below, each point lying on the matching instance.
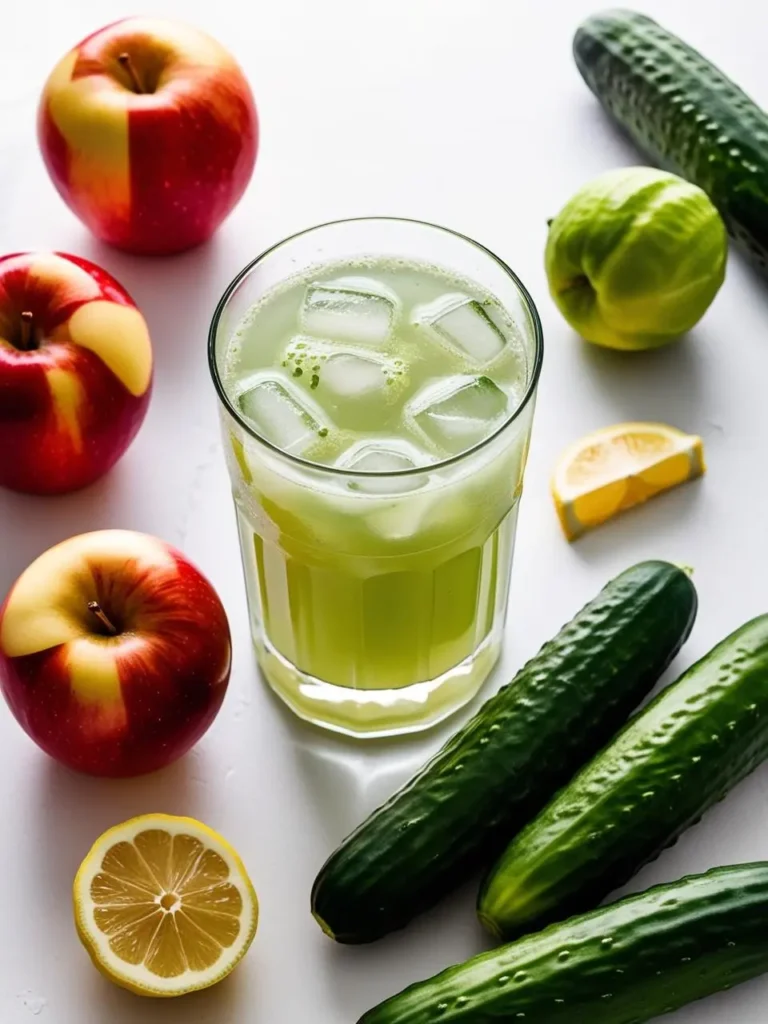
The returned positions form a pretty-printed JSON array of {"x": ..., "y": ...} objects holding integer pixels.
[
  {"x": 358, "y": 387},
  {"x": 348, "y": 311},
  {"x": 402, "y": 517},
  {"x": 348, "y": 376},
  {"x": 343, "y": 372},
  {"x": 392, "y": 455},
  {"x": 457, "y": 413},
  {"x": 279, "y": 415},
  {"x": 465, "y": 325}
]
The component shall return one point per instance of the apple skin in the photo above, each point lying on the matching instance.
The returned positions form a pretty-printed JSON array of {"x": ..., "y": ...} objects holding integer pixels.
[
  {"x": 151, "y": 172},
  {"x": 117, "y": 705},
  {"x": 69, "y": 407}
]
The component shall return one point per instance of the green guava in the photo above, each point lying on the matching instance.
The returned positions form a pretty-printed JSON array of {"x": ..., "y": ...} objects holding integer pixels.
[{"x": 635, "y": 258}]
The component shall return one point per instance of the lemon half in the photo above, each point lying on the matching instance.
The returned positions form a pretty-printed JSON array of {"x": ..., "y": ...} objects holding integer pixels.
[
  {"x": 618, "y": 467},
  {"x": 164, "y": 905}
]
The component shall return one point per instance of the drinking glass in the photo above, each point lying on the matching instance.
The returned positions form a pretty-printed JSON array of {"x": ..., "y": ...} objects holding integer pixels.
[{"x": 376, "y": 610}]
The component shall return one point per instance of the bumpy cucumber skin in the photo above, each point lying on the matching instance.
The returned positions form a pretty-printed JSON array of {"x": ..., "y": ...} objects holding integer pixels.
[
  {"x": 622, "y": 964},
  {"x": 456, "y": 815},
  {"x": 672, "y": 762},
  {"x": 685, "y": 114}
]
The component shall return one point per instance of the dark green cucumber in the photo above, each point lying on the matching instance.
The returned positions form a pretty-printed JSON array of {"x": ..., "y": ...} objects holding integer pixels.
[
  {"x": 457, "y": 814},
  {"x": 671, "y": 763},
  {"x": 622, "y": 964},
  {"x": 685, "y": 114}
]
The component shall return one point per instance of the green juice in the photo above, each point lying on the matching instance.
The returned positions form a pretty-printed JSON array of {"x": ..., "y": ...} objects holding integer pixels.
[{"x": 377, "y": 521}]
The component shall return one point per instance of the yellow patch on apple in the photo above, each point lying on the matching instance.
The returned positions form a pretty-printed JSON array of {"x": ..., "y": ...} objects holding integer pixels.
[
  {"x": 95, "y": 681},
  {"x": 92, "y": 114},
  {"x": 67, "y": 394},
  {"x": 118, "y": 335}
]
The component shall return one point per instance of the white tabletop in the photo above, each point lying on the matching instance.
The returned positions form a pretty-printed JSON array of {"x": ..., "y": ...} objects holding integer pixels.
[{"x": 473, "y": 115}]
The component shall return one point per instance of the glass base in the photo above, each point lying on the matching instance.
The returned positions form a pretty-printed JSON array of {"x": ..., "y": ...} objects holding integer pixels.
[{"x": 377, "y": 713}]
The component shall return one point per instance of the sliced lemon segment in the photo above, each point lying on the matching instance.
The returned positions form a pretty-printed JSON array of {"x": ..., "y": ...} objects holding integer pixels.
[
  {"x": 164, "y": 905},
  {"x": 618, "y": 467}
]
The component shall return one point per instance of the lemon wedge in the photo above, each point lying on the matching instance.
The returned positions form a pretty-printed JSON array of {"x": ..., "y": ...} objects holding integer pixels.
[
  {"x": 618, "y": 467},
  {"x": 164, "y": 905}
]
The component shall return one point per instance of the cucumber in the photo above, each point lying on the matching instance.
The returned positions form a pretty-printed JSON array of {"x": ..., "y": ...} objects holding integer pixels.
[
  {"x": 672, "y": 762},
  {"x": 685, "y": 114},
  {"x": 457, "y": 814},
  {"x": 622, "y": 964}
]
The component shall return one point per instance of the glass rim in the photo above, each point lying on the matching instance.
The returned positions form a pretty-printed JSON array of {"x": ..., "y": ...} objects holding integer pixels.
[{"x": 339, "y": 471}]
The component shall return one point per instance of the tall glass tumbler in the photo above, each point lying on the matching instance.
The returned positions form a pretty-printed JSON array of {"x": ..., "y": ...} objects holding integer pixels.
[{"x": 377, "y": 601}]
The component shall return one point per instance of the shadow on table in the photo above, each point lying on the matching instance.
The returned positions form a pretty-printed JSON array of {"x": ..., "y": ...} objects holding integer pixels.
[
  {"x": 225, "y": 1003},
  {"x": 37, "y": 523},
  {"x": 56, "y": 849},
  {"x": 359, "y": 977},
  {"x": 633, "y": 531},
  {"x": 664, "y": 384},
  {"x": 177, "y": 296}
]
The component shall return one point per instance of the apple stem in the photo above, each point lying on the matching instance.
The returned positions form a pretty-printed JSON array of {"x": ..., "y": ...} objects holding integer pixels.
[
  {"x": 98, "y": 611},
  {"x": 27, "y": 323},
  {"x": 126, "y": 64}
]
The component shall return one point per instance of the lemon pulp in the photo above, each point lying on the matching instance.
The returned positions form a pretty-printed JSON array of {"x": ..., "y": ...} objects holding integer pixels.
[{"x": 164, "y": 905}]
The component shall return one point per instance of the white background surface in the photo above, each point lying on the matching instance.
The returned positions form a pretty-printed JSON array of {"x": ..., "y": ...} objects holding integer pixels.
[{"x": 470, "y": 114}]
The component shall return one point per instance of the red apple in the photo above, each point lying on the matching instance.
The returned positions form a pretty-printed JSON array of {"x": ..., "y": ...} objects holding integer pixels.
[
  {"x": 75, "y": 372},
  {"x": 149, "y": 131},
  {"x": 114, "y": 653}
]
